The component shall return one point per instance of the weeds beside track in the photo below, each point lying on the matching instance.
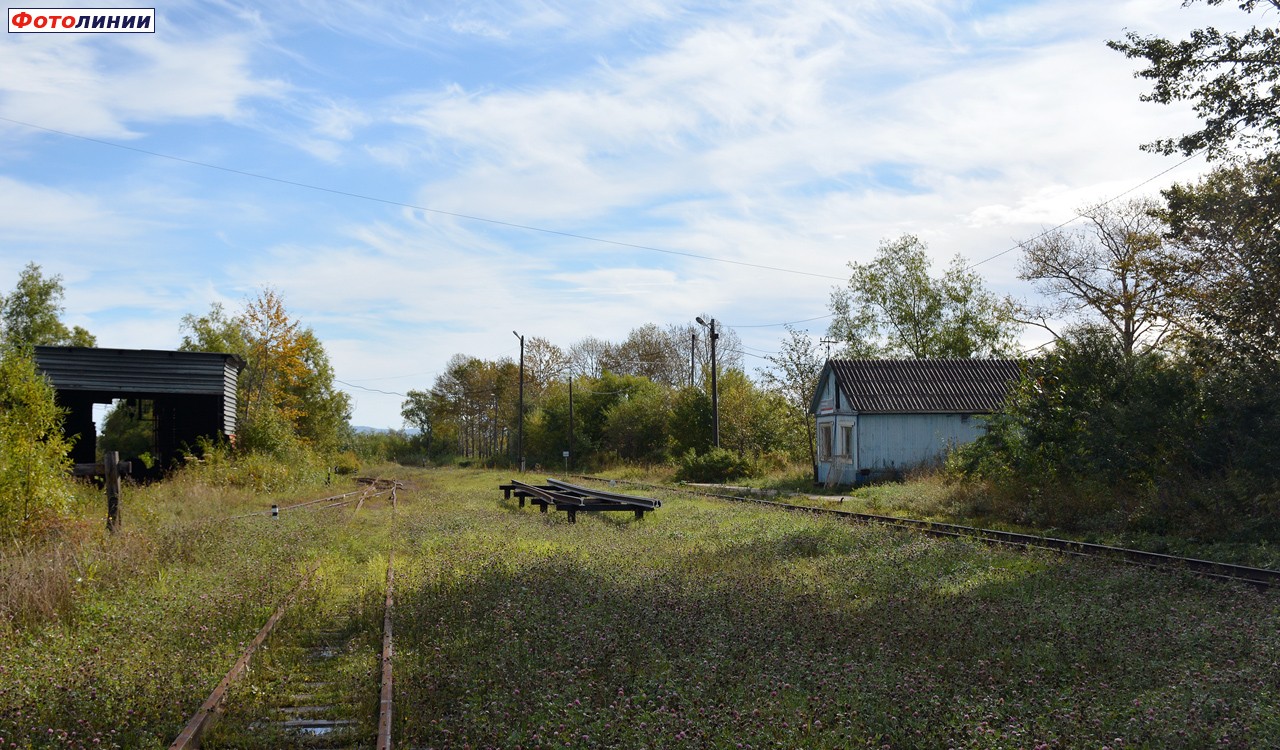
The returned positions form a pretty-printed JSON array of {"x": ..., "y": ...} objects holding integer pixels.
[
  {"x": 1260, "y": 577},
  {"x": 301, "y": 696}
]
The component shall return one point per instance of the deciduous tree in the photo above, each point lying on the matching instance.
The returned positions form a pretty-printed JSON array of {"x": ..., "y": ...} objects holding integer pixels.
[
  {"x": 1117, "y": 269},
  {"x": 286, "y": 390},
  {"x": 31, "y": 315},
  {"x": 1228, "y": 226},
  {"x": 33, "y": 452},
  {"x": 1232, "y": 80},
  {"x": 794, "y": 376},
  {"x": 893, "y": 307}
]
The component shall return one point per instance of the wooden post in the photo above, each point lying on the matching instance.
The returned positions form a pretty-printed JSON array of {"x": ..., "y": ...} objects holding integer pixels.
[{"x": 112, "y": 466}]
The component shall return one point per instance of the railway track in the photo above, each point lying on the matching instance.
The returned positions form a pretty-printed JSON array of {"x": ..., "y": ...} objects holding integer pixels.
[
  {"x": 1259, "y": 577},
  {"x": 310, "y": 685}
]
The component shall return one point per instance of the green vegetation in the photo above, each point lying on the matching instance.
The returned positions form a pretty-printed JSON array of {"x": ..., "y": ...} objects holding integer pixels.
[
  {"x": 30, "y": 315},
  {"x": 33, "y": 456},
  {"x": 287, "y": 404},
  {"x": 642, "y": 413},
  {"x": 893, "y": 307},
  {"x": 717, "y": 625},
  {"x": 113, "y": 640},
  {"x": 706, "y": 624},
  {"x": 33, "y": 461}
]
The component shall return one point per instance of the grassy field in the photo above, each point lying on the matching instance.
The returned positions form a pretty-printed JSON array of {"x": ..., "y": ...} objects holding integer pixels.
[
  {"x": 932, "y": 496},
  {"x": 707, "y": 624}
]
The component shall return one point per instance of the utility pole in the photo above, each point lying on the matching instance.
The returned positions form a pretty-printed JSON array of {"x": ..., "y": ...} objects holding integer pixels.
[
  {"x": 828, "y": 342},
  {"x": 520, "y": 440},
  {"x": 715, "y": 390}
]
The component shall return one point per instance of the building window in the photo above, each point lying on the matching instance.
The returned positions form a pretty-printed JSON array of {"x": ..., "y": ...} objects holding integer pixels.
[
  {"x": 846, "y": 440},
  {"x": 824, "y": 441}
]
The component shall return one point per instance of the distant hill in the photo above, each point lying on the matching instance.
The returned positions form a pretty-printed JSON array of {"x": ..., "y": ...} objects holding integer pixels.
[{"x": 363, "y": 430}]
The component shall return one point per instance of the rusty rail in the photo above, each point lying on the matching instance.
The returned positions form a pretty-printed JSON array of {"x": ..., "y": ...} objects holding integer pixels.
[
  {"x": 1261, "y": 577},
  {"x": 189, "y": 737},
  {"x": 297, "y": 505},
  {"x": 385, "y": 697},
  {"x": 206, "y": 715}
]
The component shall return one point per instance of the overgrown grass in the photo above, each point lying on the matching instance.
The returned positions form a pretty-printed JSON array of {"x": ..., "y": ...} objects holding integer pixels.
[
  {"x": 933, "y": 496},
  {"x": 718, "y": 625},
  {"x": 707, "y": 624},
  {"x": 113, "y": 640}
]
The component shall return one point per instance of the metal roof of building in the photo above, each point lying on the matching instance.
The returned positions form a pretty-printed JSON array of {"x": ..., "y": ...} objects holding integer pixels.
[
  {"x": 124, "y": 371},
  {"x": 923, "y": 386}
]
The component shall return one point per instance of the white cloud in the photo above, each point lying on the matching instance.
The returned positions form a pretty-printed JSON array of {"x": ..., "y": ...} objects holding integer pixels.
[
  {"x": 105, "y": 86},
  {"x": 39, "y": 215},
  {"x": 796, "y": 134}
]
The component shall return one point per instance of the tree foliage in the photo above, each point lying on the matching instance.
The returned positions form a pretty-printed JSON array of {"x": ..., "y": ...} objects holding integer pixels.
[
  {"x": 286, "y": 392},
  {"x": 472, "y": 407},
  {"x": 129, "y": 430},
  {"x": 794, "y": 377},
  {"x": 893, "y": 307},
  {"x": 33, "y": 452},
  {"x": 1116, "y": 269},
  {"x": 1232, "y": 81},
  {"x": 1228, "y": 227},
  {"x": 1091, "y": 421},
  {"x": 31, "y": 315}
]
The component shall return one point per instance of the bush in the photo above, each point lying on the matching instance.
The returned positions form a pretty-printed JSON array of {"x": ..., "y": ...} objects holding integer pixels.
[
  {"x": 346, "y": 463},
  {"x": 33, "y": 452},
  {"x": 716, "y": 465}
]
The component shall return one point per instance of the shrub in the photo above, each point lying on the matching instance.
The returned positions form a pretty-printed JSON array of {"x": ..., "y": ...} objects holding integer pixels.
[
  {"x": 346, "y": 463},
  {"x": 716, "y": 465},
  {"x": 33, "y": 452}
]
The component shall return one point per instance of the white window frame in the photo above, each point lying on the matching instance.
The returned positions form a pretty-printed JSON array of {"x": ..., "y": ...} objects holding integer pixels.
[{"x": 825, "y": 436}]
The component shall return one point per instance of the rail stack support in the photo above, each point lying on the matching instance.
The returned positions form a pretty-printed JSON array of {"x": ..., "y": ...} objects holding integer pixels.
[{"x": 572, "y": 498}]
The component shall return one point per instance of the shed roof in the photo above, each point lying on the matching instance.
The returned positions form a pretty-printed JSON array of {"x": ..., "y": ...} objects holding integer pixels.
[
  {"x": 922, "y": 386},
  {"x": 134, "y": 371}
]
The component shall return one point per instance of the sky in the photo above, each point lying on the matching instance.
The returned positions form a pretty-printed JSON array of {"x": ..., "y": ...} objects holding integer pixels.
[{"x": 419, "y": 179}]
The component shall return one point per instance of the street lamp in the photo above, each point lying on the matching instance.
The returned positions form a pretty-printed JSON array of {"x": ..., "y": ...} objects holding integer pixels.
[
  {"x": 715, "y": 391},
  {"x": 520, "y": 439}
]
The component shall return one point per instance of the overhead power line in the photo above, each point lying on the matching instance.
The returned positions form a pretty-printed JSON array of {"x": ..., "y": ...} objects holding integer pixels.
[
  {"x": 778, "y": 325},
  {"x": 415, "y": 207},
  {"x": 554, "y": 232},
  {"x": 1079, "y": 216},
  {"x": 371, "y": 390}
]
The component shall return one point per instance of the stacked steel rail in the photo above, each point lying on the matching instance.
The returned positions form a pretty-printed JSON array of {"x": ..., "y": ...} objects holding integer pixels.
[
  {"x": 572, "y": 498},
  {"x": 1260, "y": 577}
]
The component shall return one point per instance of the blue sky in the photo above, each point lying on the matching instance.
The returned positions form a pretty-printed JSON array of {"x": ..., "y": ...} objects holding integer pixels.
[{"x": 790, "y": 134}]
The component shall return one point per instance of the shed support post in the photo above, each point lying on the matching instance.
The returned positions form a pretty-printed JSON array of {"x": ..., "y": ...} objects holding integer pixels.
[{"x": 111, "y": 462}]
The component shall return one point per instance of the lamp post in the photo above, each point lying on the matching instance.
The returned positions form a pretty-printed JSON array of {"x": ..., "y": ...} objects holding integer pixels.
[
  {"x": 715, "y": 391},
  {"x": 520, "y": 438}
]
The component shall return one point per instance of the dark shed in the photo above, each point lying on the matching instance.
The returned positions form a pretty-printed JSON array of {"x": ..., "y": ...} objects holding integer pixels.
[{"x": 193, "y": 394}]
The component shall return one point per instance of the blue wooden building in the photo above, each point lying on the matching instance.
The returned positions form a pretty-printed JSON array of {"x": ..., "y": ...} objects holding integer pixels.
[{"x": 878, "y": 418}]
